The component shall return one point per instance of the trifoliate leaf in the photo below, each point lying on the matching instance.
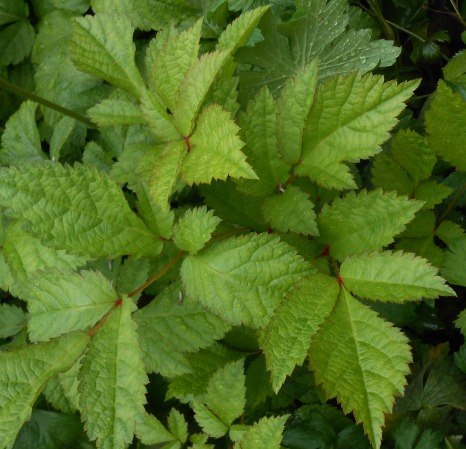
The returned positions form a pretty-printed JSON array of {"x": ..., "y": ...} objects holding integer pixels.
[
  {"x": 286, "y": 339},
  {"x": 214, "y": 150},
  {"x": 210, "y": 424},
  {"x": 292, "y": 211},
  {"x": 392, "y": 276},
  {"x": 168, "y": 58},
  {"x": 258, "y": 128},
  {"x": 351, "y": 117},
  {"x": 293, "y": 108},
  {"x": 112, "y": 381},
  {"x": 116, "y": 111},
  {"x": 236, "y": 279},
  {"x": 150, "y": 430},
  {"x": 432, "y": 193},
  {"x": 411, "y": 151},
  {"x": 102, "y": 46},
  {"x": 447, "y": 111},
  {"x": 362, "y": 361},
  {"x": 264, "y": 434},
  {"x": 364, "y": 222},
  {"x": 16, "y": 41},
  {"x": 59, "y": 303},
  {"x": 12, "y": 320},
  {"x": 388, "y": 175},
  {"x": 21, "y": 140},
  {"x": 194, "y": 87},
  {"x": 23, "y": 374},
  {"x": 76, "y": 208},
  {"x": 172, "y": 326},
  {"x": 194, "y": 229}
]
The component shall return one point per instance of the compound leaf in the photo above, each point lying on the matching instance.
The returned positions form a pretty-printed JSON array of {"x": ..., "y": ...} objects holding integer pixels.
[
  {"x": 214, "y": 150},
  {"x": 351, "y": 117},
  {"x": 236, "y": 279},
  {"x": 59, "y": 303},
  {"x": 264, "y": 434},
  {"x": 112, "y": 381},
  {"x": 24, "y": 372},
  {"x": 286, "y": 339},
  {"x": 392, "y": 276},
  {"x": 102, "y": 46},
  {"x": 361, "y": 360},
  {"x": 77, "y": 208},
  {"x": 364, "y": 222}
]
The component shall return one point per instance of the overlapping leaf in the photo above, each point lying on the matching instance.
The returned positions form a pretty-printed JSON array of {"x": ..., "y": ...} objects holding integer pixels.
[
  {"x": 112, "y": 381},
  {"x": 236, "y": 279},
  {"x": 12, "y": 320},
  {"x": 151, "y": 431},
  {"x": 362, "y": 361},
  {"x": 265, "y": 434}
]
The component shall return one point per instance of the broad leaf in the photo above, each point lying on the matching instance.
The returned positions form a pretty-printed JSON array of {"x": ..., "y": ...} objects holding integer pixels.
[
  {"x": 61, "y": 302},
  {"x": 16, "y": 41},
  {"x": 112, "y": 381},
  {"x": 77, "y": 208},
  {"x": 286, "y": 339},
  {"x": 207, "y": 420},
  {"x": 362, "y": 361},
  {"x": 363, "y": 110},
  {"x": 264, "y": 434},
  {"x": 364, "y": 222},
  {"x": 12, "y": 320},
  {"x": 170, "y": 327},
  {"x": 24, "y": 372},
  {"x": 102, "y": 46},
  {"x": 116, "y": 111},
  {"x": 392, "y": 276},
  {"x": 236, "y": 279}
]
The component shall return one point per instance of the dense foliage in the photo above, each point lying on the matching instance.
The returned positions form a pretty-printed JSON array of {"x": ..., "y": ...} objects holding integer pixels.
[{"x": 223, "y": 228}]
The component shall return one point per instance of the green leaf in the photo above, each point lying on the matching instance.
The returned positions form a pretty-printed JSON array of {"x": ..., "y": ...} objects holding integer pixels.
[
  {"x": 264, "y": 434},
  {"x": 362, "y": 361},
  {"x": 286, "y": 339},
  {"x": 393, "y": 277},
  {"x": 194, "y": 229},
  {"x": 24, "y": 372},
  {"x": 178, "y": 425},
  {"x": 194, "y": 87},
  {"x": 102, "y": 46},
  {"x": 294, "y": 105},
  {"x": 363, "y": 111},
  {"x": 150, "y": 430},
  {"x": 170, "y": 327},
  {"x": 388, "y": 175},
  {"x": 168, "y": 58},
  {"x": 65, "y": 130},
  {"x": 76, "y": 208},
  {"x": 12, "y": 11},
  {"x": 214, "y": 150},
  {"x": 210, "y": 424},
  {"x": 16, "y": 40},
  {"x": 258, "y": 127},
  {"x": 21, "y": 140},
  {"x": 454, "y": 262},
  {"x": 447, "y": 111},
  {"x": 225, "y": 274},
  {"x": 292, "y": 211},
  {"x": 62, "y": 302},
  {"x": 12, "y": 320},
  {"x": 432, "y": 193},
  {"x": 112, "y": 381},
  {"x": 364, "y": 222},
  {"x": 116, "y": 111}
]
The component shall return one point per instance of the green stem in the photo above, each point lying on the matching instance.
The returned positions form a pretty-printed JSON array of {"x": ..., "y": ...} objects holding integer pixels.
[
  {"x": 375, "y": 8},
  {"x": 4, "y": 84},
  {"x": 453, "y": 203},
  {"x": 405, "y": 30},
  {"x": 457, "y": 12}
]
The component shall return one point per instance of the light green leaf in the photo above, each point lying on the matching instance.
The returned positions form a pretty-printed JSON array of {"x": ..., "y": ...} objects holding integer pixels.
[
  {"x": 112, "y": 381},
  {"x": 264, "y": 434},
  {"x": 364, "y": 222},
  {"x": 62, "y": 302},
  {"x": 432, "y": 193},
  {"x": 351, "y": 118},
  {"x": 62, "y": 132},
  {"x": 362, "y": 361},
  {"x": 447, "y": 111},
  {"x": 286, "y": 339},
  {"x": 12, "y": 320},
  {"x": 24, "y": 372},
  {"x": 150, "y": 430},
  {"x": 294, "y": 105},
  {"x": 237, "y": 281},
  {"x": 194, "y": 229},
  {"x": 238, "y": 32},
  {"x": 214, "y": 150},
  {"x": 170, "y": 327},
  {"x": 75, "y": 6},
  {"x": 210, "y": 424},
  {"x": 16, "y": 41},
  {"x": 75, "y": 208},
  {"x": 292, "y": 211},
  {"x": 102, "y": 46},
  {"x": 258, "y": 128},
  {"x": 21, "y": 140},
  {"x": 168, "y": 58},
  {"x": 177, "y": 425},
  {"x": 194, "y": 87},
  {"x": 116, "y": 111},
  {"x": 392, "y": 276}
]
